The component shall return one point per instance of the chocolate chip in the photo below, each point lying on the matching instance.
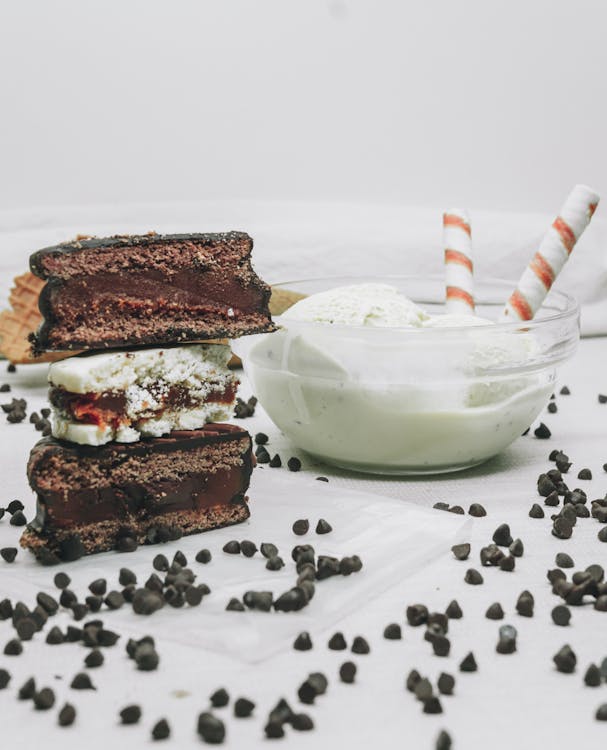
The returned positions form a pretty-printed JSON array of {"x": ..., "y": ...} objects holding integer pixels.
[
  {"x": 413, "y": 678},
  {"x": 25, "y": 629},
  {"x": 443, "y": 741},
  {"x": 220, "y": 698},
  {"x": 468, "y": 664},
  {"x": 274, "y": 730},
  {"x": 507, "y": 563},
  {"x": 517, "y": 548},
  {"x": 593, "y": 677},
  {"x": 243, "y": 708},
  {"x": 18, "y": 519},
  {"x": 27, "y": 690},
  {"x": 82, "y": 682},
  {"x": 417, "y": 614},
  {"x": 302, "y": 722},
  {"x": 536, "y": 511},
  {"x": 71, "y": 548},
  {"x": 204, "y": 556},
  {"x": 126, "y": 577},
  {"x": 73, "y": 634},
  {"x": 584, "y": 474},
  {"x": 161, "y": 730},
  {"x": 561, "y": 615},
  {"x": 260, "y": 600},
  {"x": 562, "y": 528},
  {"x": 441, "y": 506},
  {"x": 5, "y": 678},
  {"x": 232, "y": 547},
  {"x": 94, "y": 659},
  {"x": 275, "y": 563},
  {"x": 14, "y": 506},
  {"x": 130, "y": 714},
  {"x": 146, "y": 657},
  {"x": 211, "y": 729},
  {"x": 525, "y": 604},
  {"x": 477, "y": 510},
  {"x": 44, "y": 699},
  {"x": 507, "y": 640},
  {"x": 98, "y": 587},
  {"x": 565, "y": 660},
  {"x": 563, "y": 560},
  {"x": 248, "y": 548},
  {"x": 234, "y": 605},
  {"x": 545, "y": 485},
  {"x": 8, "y": 554},
  {"x": 461, "y": 551},
  {"x": 495, "y": 612},
  {"x": 5, "y": 388},
  {"x": 322, "y": 479},
  {"x": 552, "y": 408},
  {"x": 393, "y": 632},
  {"x": 473, "y": 577},
  {"x": 303, "y": 642},
  {"x": 446, "y": 683},
  {"x": 454, "y": 611},
  {"x": 457, "y": 509},
  {"x": 542, "y": 432},
  {"x": 11, "y": 367},
  {"x": 67, "y": 715},
  {"x": 301, "y": 526},
  {"x": 323, "y": 527},
  {"x": 347, "y": 672},
  {"x": 47, "y": 602},
  {"x": 440, "y": 645},
  {"x": 268, "y": 550},
  {"x": 360, "y": 645},
  {"x": 602, "y": 535},
  {"x": 423, "y": 689},
  {"x": 13, "y": 648},
  {"x": 261, "y": 438},
  {"x": 602, "y": 398},
  {"x": 262, "y": 455},
  {"x": 502, "y": 536},
  {"x": 433, "y": 706},
  {"x": 294, "y": 464},
  {"x": 275, "y": 462},
  {"x": 114, "y": 600},
  {"x": 337, "y": 642}
]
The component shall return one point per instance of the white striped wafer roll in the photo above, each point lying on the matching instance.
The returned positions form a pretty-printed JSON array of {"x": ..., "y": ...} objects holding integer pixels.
[
  {"x": 554, "y": 251},
  {"x": 459, "y": 282}
]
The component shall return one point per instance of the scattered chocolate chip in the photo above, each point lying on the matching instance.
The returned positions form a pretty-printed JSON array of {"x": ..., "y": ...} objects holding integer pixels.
[
  {"x": 461, "y": 551},
  {"x": 536, "y": 511},
  {"x": 146, "y": 657},
  {"x": 114, "y": 600},
  {"x": 234, "y": 605},
  {"x": 423, "y": 689},
  {"x": 347, "y": 672},
  {"x": 62, "y": 580},
  {"x": 82, "y": 682},
  {"x": 602, "y": 398},
  {"x": 584, "y": 474},
  {"x": 393, "y": 632},
  {"x": 502, "y": 536},
  {"x": 294, "y": 464},
  {"x": 248, "y": 548},
  {"x": 360, "y": 645},
  {"x": 18, "y": 519},
  {"x": 337, "y": 642},
  {"x": 243, "y": 708},
  {"x": 301, "y": 526},
  {"x": 232, "y": 547},
  {"x": 11, "y": 367},
  {"x": 565, "y": 391},
  {"x": 274, "y": 730},
  {"x": 130, "y": 714},
  {"x": 473, "y": 577},
  {"x": 457, "y": 509},
  {"x": 5, "y": 388},
  {"x": 303, "y": 642},
  {"x": 13, "y": 648},
  {"x": 161, "y": 730},
  {"x": 525, "y": 604},
  {"x": 220, "y": 698},
  {"x": 302, "y": 722},
  {"x": 517, "y": 548},
  {"x": 552, "y": 408},
  {"x": 443, "y": 741},
  {"x": 67, "y": 715},
  {"x": 507, "y": 563},
  {"x": 126, "y": 577},
  {"x": 562, "y": 527},
  {"x": 468, "y": 664},
  {"x": 261, "y": 600},
  {"x": 602, "y": 535},
  {"x": 27, "y": 690},
  {"x": 565, "y": 660},
  {"x": 477, "y": 510},
  {"x": 204, "y": 556},
  {"x": 94, "y": 658},
  {"x": 433, "y": 706},
  {"x": 495, "y": 612},
  {"x": 417, "y": 614},
  {"x": 262, "y": 455},
  {"x": 261, "y": 438},
  {"x": 8, "y": 554},
  {"x": 211, "y": 729},
  {"x": 561, "y": 615},
  {"x": 5, "y": 678},
  {"x": 454, "y": 611},
  {"x": 275, "y": 462},
  {"x": 26, "y": 628},
  {"x": 44, "y": 699},
  {"x": 323, "y": 527},
  {"x": 542, "y": 432},
  {"x": 563, "y": 560},
  {"x": 446, "y": 683},
  {"x": 322, "y": 479},
  {"x": 275, "y": 563},
  {"x": 268, "y": 550},
  {"x": 507, "y": 640},
  {"x": 413, "y": 678},
  {"x": 98, "y": 587},
  {"x": 441, "y": 506},
  {"x": 593, "y": 677}
]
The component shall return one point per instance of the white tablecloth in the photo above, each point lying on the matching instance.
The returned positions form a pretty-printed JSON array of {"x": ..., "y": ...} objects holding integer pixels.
[{"x": 512, "y": 701}]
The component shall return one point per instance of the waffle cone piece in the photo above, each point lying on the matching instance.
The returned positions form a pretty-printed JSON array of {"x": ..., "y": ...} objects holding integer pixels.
[{"x": 20, "y": 320}]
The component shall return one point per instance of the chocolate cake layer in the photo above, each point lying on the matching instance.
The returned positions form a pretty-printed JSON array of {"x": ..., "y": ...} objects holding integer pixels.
[
  {"x": 152, "y": 490},
  {"x": 149, "y": 289}
]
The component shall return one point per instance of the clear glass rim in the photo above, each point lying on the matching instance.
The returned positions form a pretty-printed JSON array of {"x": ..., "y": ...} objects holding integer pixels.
[{"x": 571, "y": 306}]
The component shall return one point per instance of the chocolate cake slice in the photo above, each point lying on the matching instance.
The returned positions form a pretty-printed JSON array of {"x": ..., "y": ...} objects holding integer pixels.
[
  {"x": 92, "y": 499},
  {"x": 149, "y": 289}
]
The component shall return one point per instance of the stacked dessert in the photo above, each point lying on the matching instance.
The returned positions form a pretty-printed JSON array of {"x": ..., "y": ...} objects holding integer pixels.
[{"x": 136, "y": 454}]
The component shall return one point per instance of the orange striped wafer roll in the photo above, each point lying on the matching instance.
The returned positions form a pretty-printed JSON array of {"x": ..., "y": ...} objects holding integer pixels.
[
  {"x": 459, "y": 282},
  {"x": 552, "y": 254}
]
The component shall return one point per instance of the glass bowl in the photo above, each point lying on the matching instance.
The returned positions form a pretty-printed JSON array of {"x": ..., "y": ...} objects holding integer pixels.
[{"x": 409, "y": 400}]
